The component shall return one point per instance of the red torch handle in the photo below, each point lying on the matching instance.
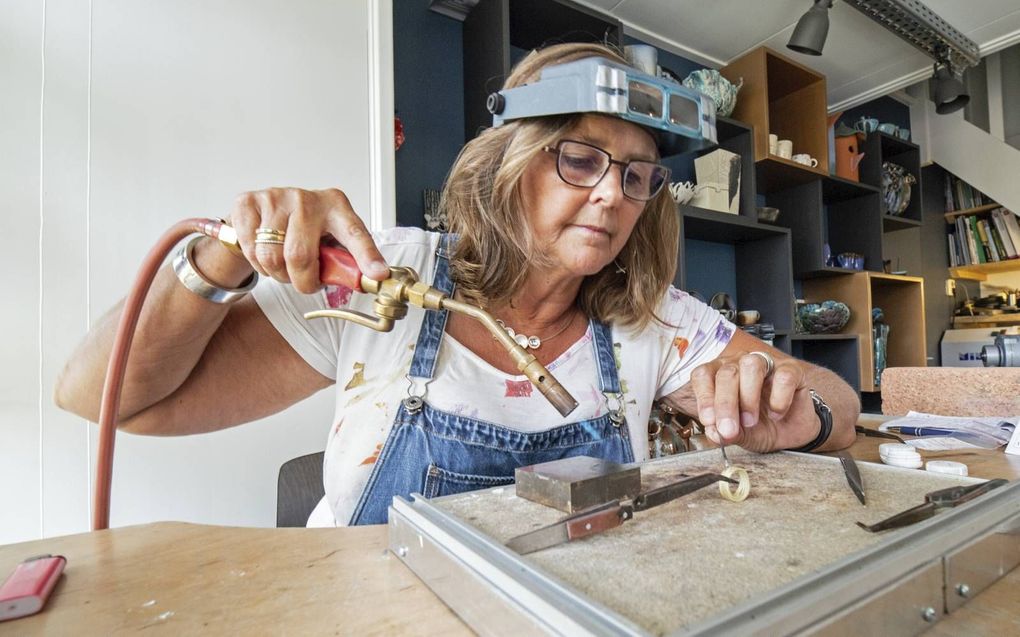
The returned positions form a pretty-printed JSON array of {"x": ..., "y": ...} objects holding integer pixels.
[{"x": 337, "y": 267}]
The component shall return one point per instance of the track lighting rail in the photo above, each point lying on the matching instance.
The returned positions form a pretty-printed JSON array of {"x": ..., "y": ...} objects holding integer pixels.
[{"x": 918, "y": 25}]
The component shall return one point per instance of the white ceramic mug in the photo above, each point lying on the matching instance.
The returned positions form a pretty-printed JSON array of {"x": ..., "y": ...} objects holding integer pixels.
[
  {"x": 784, "y": 148},
  {"x": 806, "y": 159},
  {"x": 773, "y": 140}
]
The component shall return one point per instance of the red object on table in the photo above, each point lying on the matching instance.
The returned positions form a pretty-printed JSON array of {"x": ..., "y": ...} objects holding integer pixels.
[{"x": 25, "y": 592}]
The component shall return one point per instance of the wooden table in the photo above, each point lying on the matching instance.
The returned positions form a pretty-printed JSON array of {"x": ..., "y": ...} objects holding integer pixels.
[{"x": 176, "y": 578}]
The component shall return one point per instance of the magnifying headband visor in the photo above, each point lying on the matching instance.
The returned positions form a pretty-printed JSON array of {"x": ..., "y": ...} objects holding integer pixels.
[{"x": 681, "y": 119}]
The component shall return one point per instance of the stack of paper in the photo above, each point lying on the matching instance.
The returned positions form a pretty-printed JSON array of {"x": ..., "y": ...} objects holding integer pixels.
[{"x": 961, "y": 432}]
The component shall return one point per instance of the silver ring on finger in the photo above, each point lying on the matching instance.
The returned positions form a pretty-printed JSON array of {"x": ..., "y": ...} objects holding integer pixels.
[
  {"x": 269, "y": 236},
  {"x": 770, "y": 364}
]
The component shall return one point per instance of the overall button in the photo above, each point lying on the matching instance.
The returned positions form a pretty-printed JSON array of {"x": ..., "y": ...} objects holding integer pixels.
[{"x": 413, "y": 404}]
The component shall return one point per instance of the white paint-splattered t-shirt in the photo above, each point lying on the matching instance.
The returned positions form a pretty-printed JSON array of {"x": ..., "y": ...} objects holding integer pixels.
[{"x": 370, "y": 367}]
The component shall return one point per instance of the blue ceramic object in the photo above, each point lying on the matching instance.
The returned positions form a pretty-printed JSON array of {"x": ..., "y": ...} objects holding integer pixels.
[
  {"x": 712, "y": 83},
  {"x": 827, "y": 317},
  {"x": 866, "y": 125}
]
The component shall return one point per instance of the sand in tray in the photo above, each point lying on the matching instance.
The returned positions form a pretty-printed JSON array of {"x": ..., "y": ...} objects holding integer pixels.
[{"x": 683, "y": 562}]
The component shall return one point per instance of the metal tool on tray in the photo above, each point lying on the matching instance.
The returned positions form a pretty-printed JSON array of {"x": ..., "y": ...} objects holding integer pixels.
[
  {"x": 875, "y": 433},
  {"x": 609, "y": 515},
  {"x": 853, "y": 474},
  {"x": 933, "y": 502}
]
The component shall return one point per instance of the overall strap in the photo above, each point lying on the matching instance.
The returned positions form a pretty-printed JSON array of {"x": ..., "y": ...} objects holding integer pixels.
[
  {"x": 609, "y": 380},
  {"x": 423, "y": 365}
]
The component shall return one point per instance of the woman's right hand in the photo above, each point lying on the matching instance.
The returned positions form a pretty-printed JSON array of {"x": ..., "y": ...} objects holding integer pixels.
[{"x": 305, "y": 216}]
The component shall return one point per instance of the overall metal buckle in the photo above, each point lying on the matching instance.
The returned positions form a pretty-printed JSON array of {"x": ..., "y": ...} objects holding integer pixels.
[
  {"x": 414, "y": 402},
  {"x": 617, "y": 414}
]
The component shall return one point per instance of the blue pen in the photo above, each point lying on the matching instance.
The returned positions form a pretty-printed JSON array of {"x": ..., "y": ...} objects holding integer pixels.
[{"x": 922, "y": 431}]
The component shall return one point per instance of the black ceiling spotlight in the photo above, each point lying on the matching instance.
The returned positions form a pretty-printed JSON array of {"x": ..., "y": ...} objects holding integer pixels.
[
  {"x": 947, "y": 91},
  {"x": 809, "y": 34}
]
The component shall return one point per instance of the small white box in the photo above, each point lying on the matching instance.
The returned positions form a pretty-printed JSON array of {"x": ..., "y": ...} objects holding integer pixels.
[{"x": 718, "y": 188}]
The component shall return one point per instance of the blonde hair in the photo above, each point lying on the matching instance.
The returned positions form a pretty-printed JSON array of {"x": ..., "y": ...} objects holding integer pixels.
[{"x": 496, "y": 249}]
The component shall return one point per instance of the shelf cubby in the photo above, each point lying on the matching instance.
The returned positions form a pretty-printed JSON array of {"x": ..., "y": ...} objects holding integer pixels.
[
  {"x": 832, "y": 211},
  {"x": 761, "y": 257},
  {"x": 838, "y": 352},
  {"x": 784, "y": 97},
  {"x": 881, "y": 147},
  {"x": 902, "y": 301}
]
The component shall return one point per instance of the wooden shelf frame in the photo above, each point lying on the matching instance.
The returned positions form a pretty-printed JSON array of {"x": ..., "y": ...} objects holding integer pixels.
[
  {"x": 902, "y": 301},
  {"x": 784, "y": 97},
  {"x": 951, "y": 216},
  {"x": 980, "y": 271}
]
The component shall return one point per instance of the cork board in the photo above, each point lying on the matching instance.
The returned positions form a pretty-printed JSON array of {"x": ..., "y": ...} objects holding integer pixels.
[{"x": 683, "y": 562}]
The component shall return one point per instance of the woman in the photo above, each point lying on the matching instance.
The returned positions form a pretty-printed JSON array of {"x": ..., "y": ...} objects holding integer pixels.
[{"x": 564, "y": 232}]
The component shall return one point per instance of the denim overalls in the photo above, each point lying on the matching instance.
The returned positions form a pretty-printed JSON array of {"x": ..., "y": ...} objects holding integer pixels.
[{"x": 435, "y": 453}]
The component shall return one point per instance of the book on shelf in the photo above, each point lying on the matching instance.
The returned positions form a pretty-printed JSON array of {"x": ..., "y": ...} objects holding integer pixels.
[
  {"x": 979, "y": 245},
  {"x": 1011, "y": 222},
  {"x": 1002, "y": 239},
  {"x": 993, "y": 237},
  {"x": 960, "y": 195}
]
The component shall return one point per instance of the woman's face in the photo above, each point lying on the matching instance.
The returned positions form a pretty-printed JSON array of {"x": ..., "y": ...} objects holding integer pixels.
[{"x": 583, "y": 229}]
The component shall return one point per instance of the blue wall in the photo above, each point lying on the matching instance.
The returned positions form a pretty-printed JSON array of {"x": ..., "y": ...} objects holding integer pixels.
[
  {"x": 428, "y": 75},
  {"x": 711, "y": 267}
]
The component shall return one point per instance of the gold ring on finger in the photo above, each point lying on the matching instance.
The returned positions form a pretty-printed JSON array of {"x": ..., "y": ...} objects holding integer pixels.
[
  {"x": 269, "y": 236},
  {"x": 770, "y": 364}
]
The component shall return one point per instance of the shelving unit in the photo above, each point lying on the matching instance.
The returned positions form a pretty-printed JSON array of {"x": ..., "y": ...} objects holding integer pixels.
[
  {"x": 980, "y": 271},
  {"x": 781, "y": 96},
  {"x": 902, "y": 301}
]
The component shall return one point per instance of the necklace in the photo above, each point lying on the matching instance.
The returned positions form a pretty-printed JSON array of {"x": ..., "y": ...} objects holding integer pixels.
[{"x": 532, "y": 342}]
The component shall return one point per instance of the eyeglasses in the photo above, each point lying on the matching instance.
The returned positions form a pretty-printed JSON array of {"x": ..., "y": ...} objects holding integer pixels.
[{"x": 583, "y": 165}]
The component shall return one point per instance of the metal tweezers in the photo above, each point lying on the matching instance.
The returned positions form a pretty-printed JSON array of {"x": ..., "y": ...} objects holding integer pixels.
[
  {"x": 607, "y": 516},
  {"x": 933, "y": 502}
]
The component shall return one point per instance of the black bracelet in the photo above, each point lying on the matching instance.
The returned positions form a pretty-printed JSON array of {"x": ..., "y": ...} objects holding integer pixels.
[{"x": 825, "y": 420}]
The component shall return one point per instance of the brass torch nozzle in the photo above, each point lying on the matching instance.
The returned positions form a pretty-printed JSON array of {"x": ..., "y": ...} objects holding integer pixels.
[
  {"x": 403, "y": 287},
  {"x": 539, "y": 376}
]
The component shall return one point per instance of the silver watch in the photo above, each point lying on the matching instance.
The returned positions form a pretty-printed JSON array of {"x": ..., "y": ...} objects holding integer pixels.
[{"x": 191, "y": 278}]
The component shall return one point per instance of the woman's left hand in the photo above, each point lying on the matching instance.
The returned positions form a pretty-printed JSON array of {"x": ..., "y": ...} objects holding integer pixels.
[{"x": 738, "y": 404}]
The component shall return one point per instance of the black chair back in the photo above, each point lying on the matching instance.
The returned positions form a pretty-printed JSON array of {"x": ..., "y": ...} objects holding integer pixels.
[{"x": 298, "y": 489}]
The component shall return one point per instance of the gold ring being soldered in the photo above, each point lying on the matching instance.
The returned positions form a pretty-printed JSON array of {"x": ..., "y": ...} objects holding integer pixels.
[
  {"x": 770, "y": 364},
  {"x": 743, "y": 488}
]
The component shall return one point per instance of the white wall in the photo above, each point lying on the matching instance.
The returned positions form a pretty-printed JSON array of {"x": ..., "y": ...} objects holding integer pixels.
[{"x": 120, "y": 117}]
